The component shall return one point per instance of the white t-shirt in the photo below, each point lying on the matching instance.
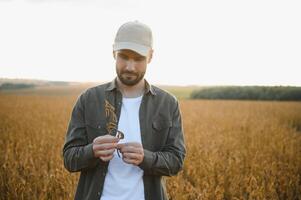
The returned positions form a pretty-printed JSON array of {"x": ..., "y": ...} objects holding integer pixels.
[{"x": 125, "y": 181}]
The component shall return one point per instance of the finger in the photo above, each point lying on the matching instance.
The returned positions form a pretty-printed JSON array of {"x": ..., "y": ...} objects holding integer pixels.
[
  {"x": 134, "y": 144},
  {"x": 131, "y": 149},
  {"x": 133, "y": 156},
  {"x": 104, "y": 146},
  {"x": 129, "y": 161},
  {"x": 104, "y": 153},
  {"x": 106, "y": 139},
  {"x": 121, "y": 145},
  {"x": 107, "y": 158}
]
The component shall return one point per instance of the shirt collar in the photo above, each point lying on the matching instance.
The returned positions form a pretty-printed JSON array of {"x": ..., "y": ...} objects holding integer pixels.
[{"x": 148, "y": 88}]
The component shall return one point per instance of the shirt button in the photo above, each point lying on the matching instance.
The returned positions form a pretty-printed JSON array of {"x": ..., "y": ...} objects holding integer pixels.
[
  {"x": 98, "y": 193},
  {"x": 98, "y": 126}
]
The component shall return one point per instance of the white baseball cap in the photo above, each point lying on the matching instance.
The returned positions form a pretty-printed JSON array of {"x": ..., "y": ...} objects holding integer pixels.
[{"x": 134, "y": 36}]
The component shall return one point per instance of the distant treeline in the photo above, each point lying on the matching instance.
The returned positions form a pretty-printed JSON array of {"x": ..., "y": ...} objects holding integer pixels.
[
  {"x": 279, "y": 93},
  {"x": 57, "y": 83},
  {"x": 14, "y": 86}
]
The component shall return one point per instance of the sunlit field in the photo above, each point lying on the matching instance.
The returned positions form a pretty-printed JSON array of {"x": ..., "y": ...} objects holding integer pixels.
[{"x": 235, "y": 149}]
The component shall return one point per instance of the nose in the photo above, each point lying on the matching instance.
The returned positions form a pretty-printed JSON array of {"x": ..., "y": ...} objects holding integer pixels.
[{"x": 130, "y": 65}]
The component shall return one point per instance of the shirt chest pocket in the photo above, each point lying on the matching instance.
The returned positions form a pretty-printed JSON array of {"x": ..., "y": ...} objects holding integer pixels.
[
  {"x": 160, "y": 132},
  {"x": 95, "y": 129}
]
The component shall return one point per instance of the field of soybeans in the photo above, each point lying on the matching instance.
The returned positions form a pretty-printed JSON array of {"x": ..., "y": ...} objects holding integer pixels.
[{"x": 235, "y": 149}]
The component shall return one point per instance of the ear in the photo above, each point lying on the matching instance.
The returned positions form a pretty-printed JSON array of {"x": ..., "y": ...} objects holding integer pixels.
[
  {"x": 114, "y": 54},
  {"x": 150, "y": 55}
]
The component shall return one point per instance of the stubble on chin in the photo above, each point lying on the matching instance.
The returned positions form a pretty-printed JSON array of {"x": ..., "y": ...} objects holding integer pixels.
[{"x": 130, "y": 81}]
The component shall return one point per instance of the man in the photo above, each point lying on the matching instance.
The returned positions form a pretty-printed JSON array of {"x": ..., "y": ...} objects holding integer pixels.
[{"x": 123, "y": 136}]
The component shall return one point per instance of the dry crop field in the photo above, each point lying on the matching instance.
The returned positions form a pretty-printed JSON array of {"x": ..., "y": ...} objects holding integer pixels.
[{"x": 235, "y": 149}]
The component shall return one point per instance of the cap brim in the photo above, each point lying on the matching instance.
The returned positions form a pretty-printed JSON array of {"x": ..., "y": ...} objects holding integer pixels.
[{"x": 140, "y": 49}]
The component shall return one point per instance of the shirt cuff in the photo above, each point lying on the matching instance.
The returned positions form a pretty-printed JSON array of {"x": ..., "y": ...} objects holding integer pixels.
[{"x": 148, "y": 160}]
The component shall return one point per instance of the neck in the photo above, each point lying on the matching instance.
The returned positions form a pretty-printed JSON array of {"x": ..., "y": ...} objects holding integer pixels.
[{"x": 131, "y": 91}]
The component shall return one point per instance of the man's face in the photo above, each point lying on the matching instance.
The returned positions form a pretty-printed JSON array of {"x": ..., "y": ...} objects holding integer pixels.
[{"x": 130, "y": 66}]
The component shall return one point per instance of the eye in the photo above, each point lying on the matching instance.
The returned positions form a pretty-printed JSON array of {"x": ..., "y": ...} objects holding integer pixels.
[{"x": 124, "y": 57}]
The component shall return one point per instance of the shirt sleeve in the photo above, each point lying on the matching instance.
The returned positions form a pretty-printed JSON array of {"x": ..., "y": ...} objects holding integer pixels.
[
  {"x": 169, "y": 161},
  {"x": 78, "y": 154}
]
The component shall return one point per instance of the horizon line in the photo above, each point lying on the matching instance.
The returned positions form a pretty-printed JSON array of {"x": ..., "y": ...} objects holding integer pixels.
[{"x": 159, "y": 84}]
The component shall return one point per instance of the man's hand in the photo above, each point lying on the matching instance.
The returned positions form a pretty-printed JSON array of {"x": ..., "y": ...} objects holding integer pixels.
[
  {"x": 104, "y": 147},
  {"x": 132, "y": 152}
]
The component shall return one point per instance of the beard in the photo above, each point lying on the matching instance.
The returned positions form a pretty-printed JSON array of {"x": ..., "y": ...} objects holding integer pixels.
[{"x": 129, "y": 78}]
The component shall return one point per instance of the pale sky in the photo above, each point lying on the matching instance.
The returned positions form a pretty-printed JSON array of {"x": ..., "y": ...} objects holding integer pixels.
[{"x": 213, "y": 42}]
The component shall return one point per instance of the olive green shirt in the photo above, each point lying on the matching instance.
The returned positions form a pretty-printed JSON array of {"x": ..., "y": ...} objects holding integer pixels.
[{"x": 161, "y": 135}]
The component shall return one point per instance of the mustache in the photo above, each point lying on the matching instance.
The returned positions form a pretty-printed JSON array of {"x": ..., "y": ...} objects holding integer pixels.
[{"x": 129, "y": 72}]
